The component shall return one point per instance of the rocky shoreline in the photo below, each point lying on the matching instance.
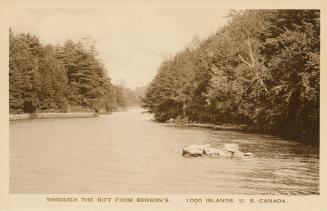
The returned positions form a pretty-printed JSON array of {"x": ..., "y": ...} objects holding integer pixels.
[{"x": 210, "y": 126}]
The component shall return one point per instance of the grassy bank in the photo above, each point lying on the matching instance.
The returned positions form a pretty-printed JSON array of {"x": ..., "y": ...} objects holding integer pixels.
[{"x": 15, "y": 117}]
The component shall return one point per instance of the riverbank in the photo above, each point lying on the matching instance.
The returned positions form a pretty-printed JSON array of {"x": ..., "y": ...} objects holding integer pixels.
[
  {"x": 210, "y": 126},
  {"x": 15, "y": 117},
  {"x": 244, "y": 129}
]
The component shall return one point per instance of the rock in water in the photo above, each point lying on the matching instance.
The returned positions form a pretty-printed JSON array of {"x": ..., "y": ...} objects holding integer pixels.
[
  {"x": 195, "y": 150},
  {"x": 231, "y": 148},
  {"x": 229, "y": 151},
  {"x": 211, "y": 151},
  {"x": 225, "y": 153}
]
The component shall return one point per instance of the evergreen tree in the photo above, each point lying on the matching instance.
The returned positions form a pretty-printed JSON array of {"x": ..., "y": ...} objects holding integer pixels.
[{"x": 57, "y": 79}]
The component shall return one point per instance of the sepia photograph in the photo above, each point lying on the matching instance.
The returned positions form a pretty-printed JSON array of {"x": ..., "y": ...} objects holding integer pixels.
[{"x": 159, "y": 98}]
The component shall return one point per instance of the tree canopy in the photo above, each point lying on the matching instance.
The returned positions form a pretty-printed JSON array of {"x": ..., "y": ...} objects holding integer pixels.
[
  {"x": 261, "y": 69},
  {"x": 61, "y": 78}
]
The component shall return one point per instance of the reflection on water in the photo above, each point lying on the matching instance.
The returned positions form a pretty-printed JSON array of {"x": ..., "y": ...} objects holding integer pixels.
[{"x": 126, "y": 152}]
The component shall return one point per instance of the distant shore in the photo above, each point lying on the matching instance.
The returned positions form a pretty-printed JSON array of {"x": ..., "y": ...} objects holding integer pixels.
[
  {"x": 15, "y": 117},
  {"x": 77, "y": 114}
]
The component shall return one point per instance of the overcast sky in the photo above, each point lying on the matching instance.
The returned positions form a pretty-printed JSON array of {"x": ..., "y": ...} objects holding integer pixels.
[{"x": 132, "y": 38}]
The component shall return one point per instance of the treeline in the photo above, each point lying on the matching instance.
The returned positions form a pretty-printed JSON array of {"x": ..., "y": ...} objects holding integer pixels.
[
  {"x": 61, "y": 78},
  {"x": 261, "y": 70},
  {"x": 132, "y": 97}
]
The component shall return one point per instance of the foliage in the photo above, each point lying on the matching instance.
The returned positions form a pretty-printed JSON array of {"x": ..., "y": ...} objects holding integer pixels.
[
  {"x": 261, "y": 69},
  {"x": 57, "y": 78}
]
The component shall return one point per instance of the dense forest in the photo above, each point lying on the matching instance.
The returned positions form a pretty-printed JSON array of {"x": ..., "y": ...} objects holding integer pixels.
[
  {"x": 260, "y": 70},
  {"x": 61, "y": 78}
]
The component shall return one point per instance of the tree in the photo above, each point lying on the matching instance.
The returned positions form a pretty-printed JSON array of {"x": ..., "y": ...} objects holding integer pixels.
[
  {"x": 261, "y": 69},
  {"x": 291, "y": 49},
  {"x": 57, "y": 78},
  {"x": 24, "y": 51},
  {"x": 53, "y": 82}
]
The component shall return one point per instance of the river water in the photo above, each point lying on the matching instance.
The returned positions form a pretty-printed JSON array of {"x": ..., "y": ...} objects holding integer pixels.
[{"x": 127, "y": 152}]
